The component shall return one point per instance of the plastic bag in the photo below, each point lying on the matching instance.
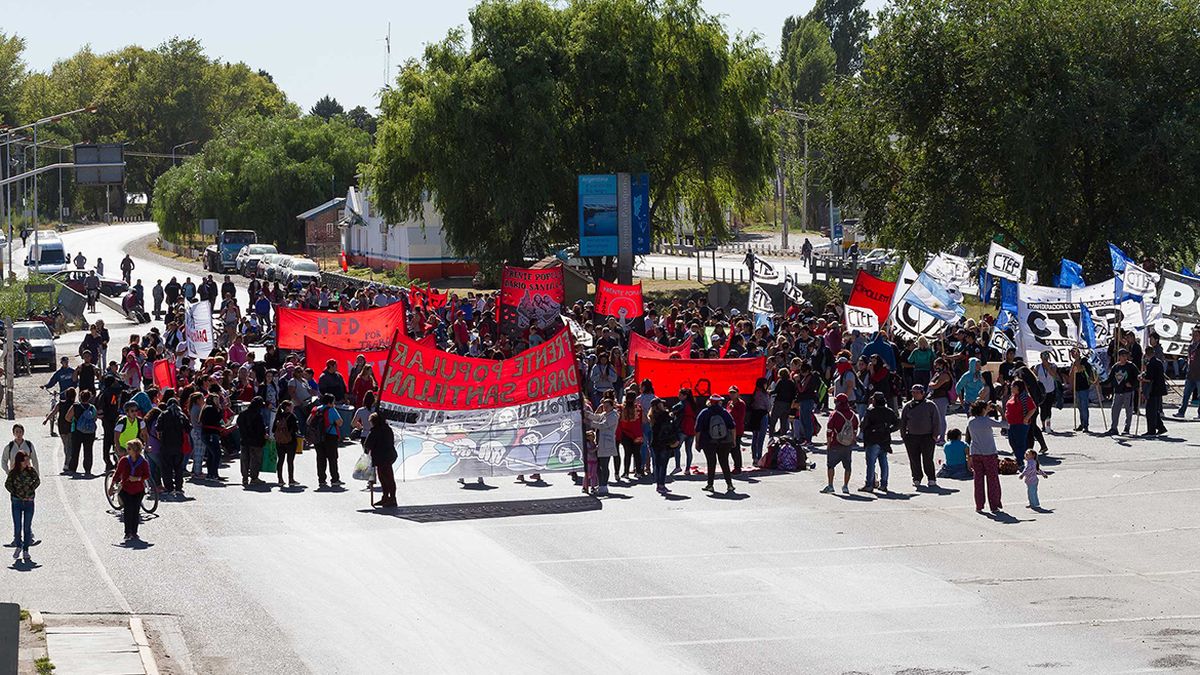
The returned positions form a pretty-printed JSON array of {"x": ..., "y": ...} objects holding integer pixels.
[
  {"x": 270, "y": 460},
  {"x": 363, "y": 469}
]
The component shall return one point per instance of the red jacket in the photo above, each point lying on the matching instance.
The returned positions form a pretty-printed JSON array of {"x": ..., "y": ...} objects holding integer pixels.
[{"x": 737, "y": 410}]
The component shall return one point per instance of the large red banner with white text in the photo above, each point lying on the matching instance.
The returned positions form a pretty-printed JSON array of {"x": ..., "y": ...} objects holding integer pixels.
[
  {"x": 317, "y": 354},
  {"x": 872, "y": 293},
  {"x": 364, "y": 329},
  {"x": 459, "y": 416},
  {"x": 640, "y": 346},
  {"x": 619, "y": 300},
  {"x": 703, "y": 376}
]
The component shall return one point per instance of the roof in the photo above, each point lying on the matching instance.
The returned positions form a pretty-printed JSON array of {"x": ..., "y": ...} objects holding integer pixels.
[{"x": 316, "y": 210}]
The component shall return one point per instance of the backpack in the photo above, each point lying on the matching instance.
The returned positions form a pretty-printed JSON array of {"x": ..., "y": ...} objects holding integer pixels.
[
  {"x": 282, "y": 433},
  {"x": 718, "y": 429},
  {"x": 846, "y": 435},
  {"x": 86, "y": 422},
  {"x": 786, "y": 458},
  {"x": 314, "y": 433},
  {"x": 170, "y": 427}
]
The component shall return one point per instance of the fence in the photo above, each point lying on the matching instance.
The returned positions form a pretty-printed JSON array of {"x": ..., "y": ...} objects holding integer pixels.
[{"x": 178, "y": 249}]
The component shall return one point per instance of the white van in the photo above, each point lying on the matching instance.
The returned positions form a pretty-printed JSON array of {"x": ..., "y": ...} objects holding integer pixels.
[{"x": 47, "y": 256}]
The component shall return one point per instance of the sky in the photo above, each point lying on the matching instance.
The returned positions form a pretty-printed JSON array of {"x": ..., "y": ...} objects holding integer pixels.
[{"x": 310, "y": 48}]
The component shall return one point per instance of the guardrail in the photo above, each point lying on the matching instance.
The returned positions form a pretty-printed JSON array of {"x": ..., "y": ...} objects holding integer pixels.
[{"x": 178, "y": 249}]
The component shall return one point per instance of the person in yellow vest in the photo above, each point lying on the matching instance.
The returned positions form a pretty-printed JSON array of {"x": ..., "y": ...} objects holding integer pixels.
[{"x": 128, "y": 427}]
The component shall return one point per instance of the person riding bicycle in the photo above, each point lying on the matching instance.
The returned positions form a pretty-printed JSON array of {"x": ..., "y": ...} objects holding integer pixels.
[
  {"x": 127, "y": 268},
  {"x": 92, "y": 284}
]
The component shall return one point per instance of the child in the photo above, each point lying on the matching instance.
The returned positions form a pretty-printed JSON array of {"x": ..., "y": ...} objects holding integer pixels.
[
  {"x": 956, "y": 457},
  {"x": 592, "y": 463},
  {"x": 1030, "y": 473}
]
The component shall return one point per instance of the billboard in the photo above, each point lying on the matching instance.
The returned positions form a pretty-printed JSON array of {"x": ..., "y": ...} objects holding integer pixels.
[
  {"x": 600, "y": 215},
  {"x": 103, "y": 153}
]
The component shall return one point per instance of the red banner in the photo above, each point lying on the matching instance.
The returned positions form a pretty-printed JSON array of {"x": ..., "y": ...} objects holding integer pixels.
[
  {"x": 872, "y": 293},
  {"x": 317, "y": 354},
  {"x": 619, "y": 300},
  {"x": 530, "y": 298},
  {"x": 164, "y": 374},
  {"x": 427, "y": 298},
  {"x": 640, "y": 346},
  {"x": 702, "y": 376},
  {"x": 422, "y": 377},
  {"x": 364, "y": 329}
]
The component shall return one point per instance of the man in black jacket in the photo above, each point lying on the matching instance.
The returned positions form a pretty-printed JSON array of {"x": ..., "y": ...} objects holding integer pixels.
[
  {"x": 381, "y": 445},
  {"x": 254, "y": 436},
  {"x": 171, "y": 427},
  {"x": 331, "y": 382},
  {"x": 1155, "y": 378}
]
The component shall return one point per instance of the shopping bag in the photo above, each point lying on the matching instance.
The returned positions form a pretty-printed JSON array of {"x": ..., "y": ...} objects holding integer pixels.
[
  {"x": 363, "y": 469},
  {"x": 299, "y": 445},
  {"x": 270, "y": 457}
]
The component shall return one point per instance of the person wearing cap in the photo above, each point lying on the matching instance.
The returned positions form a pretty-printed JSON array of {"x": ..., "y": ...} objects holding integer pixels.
[
  {"x": 919, "y": 424},
  {"x": 840, "y": 442},
  {"x": 715, "y": 436}
]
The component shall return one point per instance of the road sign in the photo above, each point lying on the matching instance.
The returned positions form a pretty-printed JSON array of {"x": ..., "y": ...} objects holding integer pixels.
[
  {"x": 31, "y": 289},
  {"x": 601, "y": 204},
  {"x": 110, "y": 155},
  {"x": 209, "y": 226}
]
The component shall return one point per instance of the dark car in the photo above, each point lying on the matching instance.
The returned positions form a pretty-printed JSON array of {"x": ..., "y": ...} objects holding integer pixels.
[
  {"x": 76, "y": 280},
  {"x": 41, "y": 342}
]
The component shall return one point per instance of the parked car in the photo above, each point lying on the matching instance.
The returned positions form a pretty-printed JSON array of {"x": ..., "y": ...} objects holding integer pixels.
[
  {"x": 268, "y": 266},
  {"x": 41, "y": 342},
  {"x": 302, "y": 271},
  {"x": 76, "y": 280},
  {"x": 250, "y": 256}
]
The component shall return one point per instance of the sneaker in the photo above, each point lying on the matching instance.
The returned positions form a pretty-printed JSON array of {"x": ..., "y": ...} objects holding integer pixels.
[
  {"x": 827, "y": 490},
  {"x": 1178, "y": 414},
  {"x": 866, "y": 488},
  {"x": 728, "y": 487},
  {"x": 336, "y": 482},
  {"x": 25, "y": 555},
  {"x": 932, "y": 483},
  {"x": 16, "y": 543},
  {"x": 676, "y": 470},
  {"x": 916, "y": 483},
  {"x": 321, "y": 484},
  {"x": 293, "y": 483},
  {"x": 16, "y": 553},
  {"x": 707, "y": 488},
  {"x": 883, "y": 487},
  {"x": 845, "y": 489}
]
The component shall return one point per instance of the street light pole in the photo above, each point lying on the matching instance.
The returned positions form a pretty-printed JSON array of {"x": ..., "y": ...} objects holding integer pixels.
[
  {"x": 803, "y": 117},
  {"x": 173, "y": 149}
]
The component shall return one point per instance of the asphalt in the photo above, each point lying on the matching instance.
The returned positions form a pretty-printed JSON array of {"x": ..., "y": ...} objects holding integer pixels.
[{"x": 532, "y": 579}]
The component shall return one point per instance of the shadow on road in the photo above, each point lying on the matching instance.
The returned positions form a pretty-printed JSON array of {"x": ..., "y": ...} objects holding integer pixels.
[{"x": 438, "y": 513}]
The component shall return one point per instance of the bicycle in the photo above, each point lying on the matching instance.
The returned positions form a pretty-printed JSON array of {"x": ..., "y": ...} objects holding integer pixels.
[
  {"x": 54, "y": 397},
  {"x": 149, "y": 500}
]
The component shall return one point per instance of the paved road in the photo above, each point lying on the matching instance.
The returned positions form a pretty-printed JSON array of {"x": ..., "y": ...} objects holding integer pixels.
[{"x": 780, "y": 579}]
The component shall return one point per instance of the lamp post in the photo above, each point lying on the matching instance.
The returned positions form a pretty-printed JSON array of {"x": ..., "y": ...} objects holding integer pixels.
[
  {"x": 803, "y": 117},
  {"x": 173, "y": 149}
]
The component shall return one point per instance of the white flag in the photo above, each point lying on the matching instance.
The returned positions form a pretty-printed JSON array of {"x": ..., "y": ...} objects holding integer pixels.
[
  {"x": 760, "y": 299},
  {"x": 1031, "y": 277},
  {"x": 861, "y": 319},
  {"x": 1137, "y": 281},
  {"x": 198, "y": 328},
  {"x": 1005, "y": 264}
]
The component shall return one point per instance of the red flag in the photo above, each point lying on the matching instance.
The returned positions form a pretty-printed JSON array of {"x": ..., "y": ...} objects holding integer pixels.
[
  {"x": 424, "y": 377},
  {"x": 317, "y": 354},
  {"x": 640, "y": 346},
  {"x": 619, "y": 300},
  {"x": 529, "y": 298},
  {"x": 164, "y": 374},
  {"x": 364, "y": 329},
  {"x": 872, "y": 293},
  {"x": 703, "y": 376}
]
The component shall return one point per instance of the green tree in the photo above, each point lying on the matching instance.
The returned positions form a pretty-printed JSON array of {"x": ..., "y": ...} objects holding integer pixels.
[
  {"x": 359, "y": 117},
  {"x": 498, "y": 130},
  {"x": 1051, "y": 124},
  {"x": 258, "y": 173},
  {"x": 326, "y": 108},
  {"x": 849, "y": 25},
  {"x": 12, "y": 73}
]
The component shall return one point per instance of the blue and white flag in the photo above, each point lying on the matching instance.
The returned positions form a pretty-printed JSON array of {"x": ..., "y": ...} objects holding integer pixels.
[
  {"x": 1087, "y": 326},
  {"x": 932, "y": 298},
  {"x": 1119, "y": 263},
  {"x": 1118, "y": 259},
  {"x": 1188, "y": 273},
  {"x": 1070, "y": 274},
  {"x": 762, "y": 319},
  {"x": 1006, "y": 320}
]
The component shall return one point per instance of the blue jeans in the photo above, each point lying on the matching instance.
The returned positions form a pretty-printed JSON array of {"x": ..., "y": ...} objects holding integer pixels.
[
  {"x": 1031, "y": 489},
  {"x": 1018, "y": 434},
  {"x": 805, "y": 418},
  {"x": 22, "y": 512},
  {"x": 877, "y": 453},
  {"x": 646, "y": 452},
  {"x": 1190, "y": 388},
  {"x": 686, "y": 447},
  {"x": 1083, "y": 401},
  {"x": 661, "y": 458},
  {"x": 758, "y": 438},
  {"x": 212, "y": 452}
]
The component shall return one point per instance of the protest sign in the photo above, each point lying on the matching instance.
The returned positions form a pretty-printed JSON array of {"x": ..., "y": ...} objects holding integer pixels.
[
  {"x": 578, "y": 332},
  {"x": 364, "y": 329},
  {"x": 164, "y": 374},
  {"x": 317, "y": 354},
  {"x": 873, "y": 293},
  {"x": 766, "y": 297},
  {"x": 619, "y": 300},
  {"x": 951, "y": 271},
  {"x": 1179, "y": 311},
  {"x": 1050, "y": 319},
  {"x": 427, "y": 298},
  {"x": 764, "y": 271},
  {"x": 861, "y": 319},
  {"x": 460, "y": 416},
  {"x": 529, "y": 297},
  {"x": 906, "y": 319},
  {"x": 198, "y": 328},
  {"x": 703, "y": 377},
  {"x": 1136, "y": 280},
  {"x": 1004, "y": 263},
  {"x": 640, "y": 346}
]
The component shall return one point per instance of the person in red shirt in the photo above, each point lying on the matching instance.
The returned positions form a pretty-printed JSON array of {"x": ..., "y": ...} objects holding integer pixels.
[
  {"x": 362, "y": 384},
  {"x": 1018, "y": 411},
  {"x": 133, "y": 470},
  {"x": 629, "y": 434},
  {"x": 737, "y": 410},
  {"x": 462, "y": 335}
]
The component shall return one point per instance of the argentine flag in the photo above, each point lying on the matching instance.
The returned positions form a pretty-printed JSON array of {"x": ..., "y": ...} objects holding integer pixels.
[{"x": 932, "y": 298}]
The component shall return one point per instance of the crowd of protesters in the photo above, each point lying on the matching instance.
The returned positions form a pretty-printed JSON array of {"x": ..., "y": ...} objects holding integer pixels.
[{"x": 248, "y": 397}]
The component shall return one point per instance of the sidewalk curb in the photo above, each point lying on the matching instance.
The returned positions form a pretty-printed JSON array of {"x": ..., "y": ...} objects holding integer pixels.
[
  {"x": 36, "y": 622},
  {"x": 143, "y": 645}
]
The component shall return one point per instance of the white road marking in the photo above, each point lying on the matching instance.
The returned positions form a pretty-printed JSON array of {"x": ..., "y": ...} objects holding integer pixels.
[{"x": 87, "y": 544}]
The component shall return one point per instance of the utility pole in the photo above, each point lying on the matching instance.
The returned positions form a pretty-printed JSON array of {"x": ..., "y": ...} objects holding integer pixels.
[
  {"x": 783, "y": 208},
  {"x": 804, "y": 193}
]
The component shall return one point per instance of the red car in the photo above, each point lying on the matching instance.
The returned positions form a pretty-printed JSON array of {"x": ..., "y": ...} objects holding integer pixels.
[{"x": 76, "y": 280}]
